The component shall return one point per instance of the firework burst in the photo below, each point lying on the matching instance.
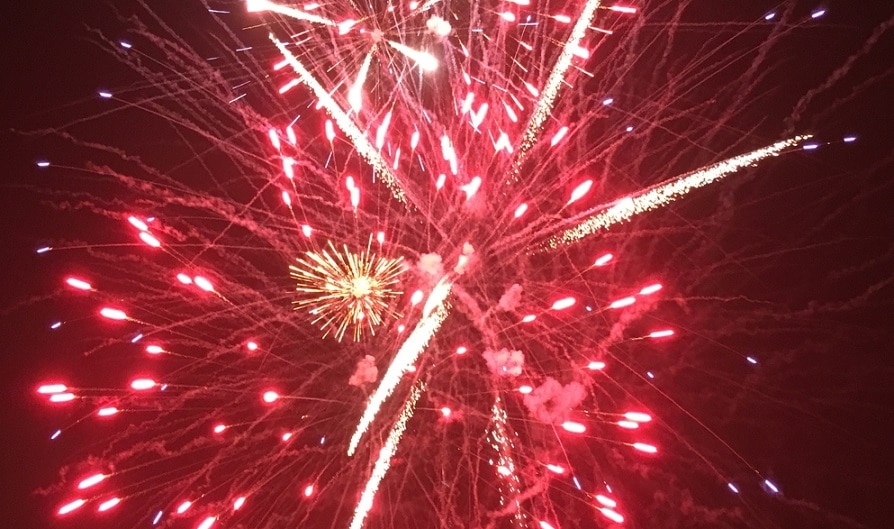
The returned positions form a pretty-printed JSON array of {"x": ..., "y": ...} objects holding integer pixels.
[
  {"x": 499, "y": 143},
  {"x": 344, "y": 290}
]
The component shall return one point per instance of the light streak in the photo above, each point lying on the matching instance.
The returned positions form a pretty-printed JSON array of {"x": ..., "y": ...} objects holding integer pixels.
[
  {"x": 383, "y": 462},
  {"x": 108, "y": 504},
  {"x": 355, "y": 94},
  {"x": 435, "y": 311},
  {"x": 548, "y": 95},
  {"x": 90, "y": 481},
  {"x": 69, "y": 507},
  {"x": 666, "y": 192},
  {"x": 425, "y": 60},
  {"x": 297, "y": 14},
  {"x": 364, "y": 148}
]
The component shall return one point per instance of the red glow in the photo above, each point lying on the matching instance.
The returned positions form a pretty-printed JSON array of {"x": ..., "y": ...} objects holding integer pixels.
[
  {"x": 623, "y": 302},
  {"x": 558, "y": 136},
  {"x": 112, "y": 314},
  {"x": 90, "y": 481},
  {"x": 605, "y": 500},
  {"x": 556, "y": 469},
  {"x": 651, "y": 289},
  {"x": 183, "y": 507},
  {"x": 62, "y": 397},
  {"x": 638, "y": 416},
  {"x": 79, "y": 284},
  {"x": 308, "y": 491},
  {"x": 603, "y": 260},
  {"x": 580, "y": 191},
  {"x": 51, "y": 388},
  {"x": 68, "y": 507},
  {"x": 647, "y": 448},
  {"x": 416, "y": 298},
  {"x": 108, "y": 504},
  {"x": 141, "y": 384},
  {"x": 203, "y": 283},
  {"x": 149, "y": 239},
  {"x": 240, "y": 501},
  {"x": 270, "y": 396},
  {"x": 106, "y": 412},
  {"x": 611, "y": 515},
  {"x": 564, "y": 303},
  {"x": 137, "y": 223},
  {"x": 661, "y": 334},
  {"x": 574, "y": 427}
]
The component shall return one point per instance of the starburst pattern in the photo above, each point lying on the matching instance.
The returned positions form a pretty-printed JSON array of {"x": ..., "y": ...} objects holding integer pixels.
[
  {"x": 344, "y": 290},
  {"x": 473, "y": 138}
]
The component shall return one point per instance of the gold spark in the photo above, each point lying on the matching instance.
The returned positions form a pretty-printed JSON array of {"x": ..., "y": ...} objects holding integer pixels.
[{"x": 345, "y": 289}]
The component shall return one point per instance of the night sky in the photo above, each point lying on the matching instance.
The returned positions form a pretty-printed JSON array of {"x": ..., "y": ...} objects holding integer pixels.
[{"x": 819, "y": 416}]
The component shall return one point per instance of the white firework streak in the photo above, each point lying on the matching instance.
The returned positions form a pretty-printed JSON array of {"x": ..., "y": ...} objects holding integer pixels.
[
  {"x": 433, "y": 314},
  {"x": 425, "y": 60},
  {"x": 666, "y": 192},
  {"x": 551, "y": 89},
  {"x": 384, "y": 460},
  {"x": 344, "y": 122},
  {"x": 355, "y": 94},
  {"x": 264, "y": 5},
  {"x": 501, "y": 442}
]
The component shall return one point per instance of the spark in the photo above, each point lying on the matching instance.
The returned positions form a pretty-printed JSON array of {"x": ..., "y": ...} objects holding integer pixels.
[
  {"x": 47, "y": 389},
  {"x": 142, "y": 384},
  {"x": 611, "y": 515},
  {"x": 345, "y": 289},
  {"x": 638, "y": 416},
  {"x": 548, "y": 95},
  {"x": 603, "y": 259},
  {"x": 563, "y": 303},
  {"x": 574, "y": 427},
  {"x": 79, "y": 284},
  {"x": 383, "y": 462},
  {"x": 90, "y": 481},
  {"x": 69, "y": 507},
  {"x": 108, "y": 504},
  {"x": 666, "y": 192},
  {"x": 355, "y": 95},
  {"x": 112, "y": 314},
  {"x": 355, "y": 135},
  {"x": 297, "y": 14},
  {"x": 425, "y": 60},
  {"x": 433, "y": 314}
]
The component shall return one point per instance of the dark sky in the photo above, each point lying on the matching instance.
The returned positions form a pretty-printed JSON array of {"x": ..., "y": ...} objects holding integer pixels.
[{"x": 836, "y": 214}]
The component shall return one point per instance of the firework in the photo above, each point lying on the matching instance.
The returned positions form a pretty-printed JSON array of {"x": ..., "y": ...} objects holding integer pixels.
[
  {"x": 493, "y": 148},
  {"x": 343, "y": 289}
]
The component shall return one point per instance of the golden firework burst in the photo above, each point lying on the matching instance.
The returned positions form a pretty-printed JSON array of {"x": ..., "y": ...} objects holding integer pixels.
[{"x": 345, "y": 289}]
